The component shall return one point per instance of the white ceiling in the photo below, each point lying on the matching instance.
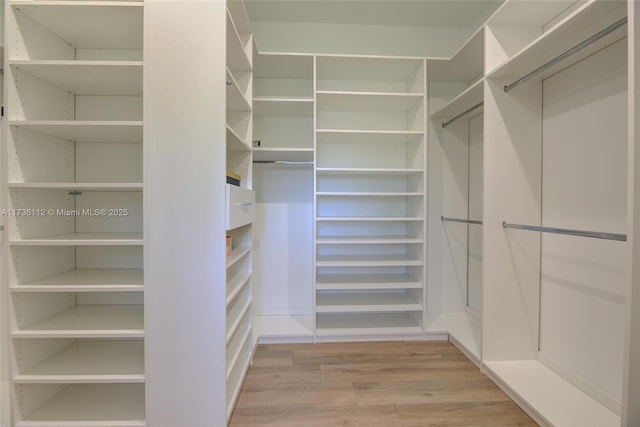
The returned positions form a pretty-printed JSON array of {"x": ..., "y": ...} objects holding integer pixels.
[{"x": 426, "y": 13}]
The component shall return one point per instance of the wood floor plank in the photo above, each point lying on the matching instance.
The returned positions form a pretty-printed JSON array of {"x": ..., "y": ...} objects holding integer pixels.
[
  {"x": 378, "y": 416},
  {"x": 270, "y": 357},
  {"x": 279, "y": 375},
  {"x": 464, "y": 414},
  {"x": 292, "y": 395},
  {"x": 426, "y": 371}
]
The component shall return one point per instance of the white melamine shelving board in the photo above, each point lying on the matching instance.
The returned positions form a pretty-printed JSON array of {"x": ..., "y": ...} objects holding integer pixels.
[
  {"x": 94, "y": 280},
  {"x": 366, "y": 68},
  {"x": 237, "y": 254},
  {"x": 465, "y": 330},
  {"x": 235, "y": 284},
  {"x": 91, "y": 362},
  {"x": 236, "y": 317},
  {"x": 88, "y": 77},
  {"x": 594, "y": 16},
  {"x": 465, "y": 65},
  {"x": 238, "y": 13},
  {"x": 366, "y": 261},
  {"x": 234, "y": 383},
  {"x": 367, "y": 101},
  {"x": 290, "y": 327},
  {"x": 367, "y": 324},
  {"x": 87, "y": 186},
  {"x": 82, "y": 239},
  {"x": 366, "y": 136},
  {"x": 369, "y": 218},
  {"x": 282, "y": 107},
  {"x": 283, "y": 66},
  {"x": 367, "y": 194},
  {"x": 89, "y": 321},
  {"x": 236, "y": 347},
  {"x": 235, "y": 98},
  {"x": 286, "y": 154},
  {"x": 235, "y": 142},
  {"x": 368, "y": 171},
  {"x": 92, "y": 405},
  {"x": 366, "y": 281},
  {"x": 85, "y": 131},
  {"x": 548, "y": 393},
  {"x": 529, "y": 13},
  {"x": 89, "y": 24},
  {"x": 367, "y": 239},
  {"x": 365, "y": 302},
  {"x": 237, "y": 59},
  {"x": 471, "y": 96}
]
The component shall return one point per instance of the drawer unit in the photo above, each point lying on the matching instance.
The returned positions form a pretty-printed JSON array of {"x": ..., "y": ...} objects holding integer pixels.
[{"x": 240, "y": 206}]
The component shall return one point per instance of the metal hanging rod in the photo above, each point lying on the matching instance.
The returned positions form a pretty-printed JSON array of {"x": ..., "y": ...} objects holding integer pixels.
[
  {"x": 464, "y": 221},
  {"x": 465, "y": 112},
  {"x": 611, "y": 28},
  {"x": 581, "y": 233},
  {"x": 284, "y": 162}
]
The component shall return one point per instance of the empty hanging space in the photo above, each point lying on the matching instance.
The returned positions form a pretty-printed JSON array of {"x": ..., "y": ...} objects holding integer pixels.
[{"x": 557, "y": 164}]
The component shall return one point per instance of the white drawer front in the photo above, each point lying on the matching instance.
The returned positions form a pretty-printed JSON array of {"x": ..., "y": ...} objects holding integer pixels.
[{"x": 240, "y": 206}]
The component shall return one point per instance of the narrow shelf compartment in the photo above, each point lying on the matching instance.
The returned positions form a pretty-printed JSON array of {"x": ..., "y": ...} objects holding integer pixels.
[
  {"x": 338, "y": 136},
  {"x": 470, "y": 97},
  {"x": 113, "y": 78},
  {"x": 369, "y": 218},
  {"x": 89, "y": 280},
  {"x": 239, "y": 343},
  {"x": 465, "y": 65},
  {"x": 82, "y": 239},
  {"x": 89, "y": 321},
  {"x": 283, "y": 154},
  {"x": 235, "y": 142},
  {"x": 85, "y": 131},
  {"x": 237, "y": 59},
  {"x": 367, "y": 101},
  {"x": 89, "y": 24},
  {"x": 366, "y": 281},
  {"x": 282, "y": 107},
  {"x": 91, "y": 405},
  {"x": 368, "y": 171},
  {"x": 531, "y": 382},
  {"x": 367, "y": 240},
  {"x": 366, "y": 261},
  {"x": 367, "y": 324},
  {"x": 87, "y": 186},
  {"x": 593, "y": 16},
  {"x": 365, "y": 302},
  {"x": 235, "y": 380},
  {"x": 90, "y": 362},
  {"x": 237, "y": 254},
  {"x": 367, "y": 194},
  {"x": 236, "y": 316},
  {"x": 238, "y": 13},
  {"x": 236, "y": 100},
  {"x": 236, "y": 284}
]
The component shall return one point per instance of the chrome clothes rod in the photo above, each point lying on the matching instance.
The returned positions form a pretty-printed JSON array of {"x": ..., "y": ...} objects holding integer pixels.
[
  {"x": 581, "y": 233},
  {"x": 448, "y": 122},
  {"x": 464, "y": 221},
  {"x": 283, "y": 162},
  {"x": 611, "y": 28}
]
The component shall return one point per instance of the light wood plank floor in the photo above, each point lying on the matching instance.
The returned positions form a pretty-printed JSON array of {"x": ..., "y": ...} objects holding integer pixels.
[{"x": 375, "y": 384}]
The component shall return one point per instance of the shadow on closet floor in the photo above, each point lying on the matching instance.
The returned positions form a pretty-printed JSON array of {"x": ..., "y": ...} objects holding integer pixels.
[{"x": 391, "y": 384}]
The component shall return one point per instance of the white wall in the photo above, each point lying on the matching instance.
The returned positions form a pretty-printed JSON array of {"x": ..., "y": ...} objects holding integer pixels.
[{"x": 358, "y": 39}]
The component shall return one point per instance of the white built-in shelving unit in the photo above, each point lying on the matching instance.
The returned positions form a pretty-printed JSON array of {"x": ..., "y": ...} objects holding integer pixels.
[
  {"x": 73, "y": 194},
  {"x": 369, "y": 197},
  {"x": 240, "y": 201}
]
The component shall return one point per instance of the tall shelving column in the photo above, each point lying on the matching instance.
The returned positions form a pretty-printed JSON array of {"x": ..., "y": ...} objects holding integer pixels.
[
  {"x": 240, "y": 200},
  {"x": 72, "y": 190},
  {"x": 370, "y": 197}
]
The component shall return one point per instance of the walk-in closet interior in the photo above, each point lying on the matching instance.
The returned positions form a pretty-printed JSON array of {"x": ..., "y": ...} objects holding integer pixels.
[{"x": 183, "y": 181}]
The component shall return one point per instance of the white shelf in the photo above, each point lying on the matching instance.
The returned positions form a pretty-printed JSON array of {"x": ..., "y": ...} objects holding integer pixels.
[
  {"x": 237, "y": 59},
  {"x": 92, "y": 405},
  {"x": 367, "y": 194},
  {"x": 122, "y": 78},
  {"x": 366, "y": 261},
  {"x": 116, "y": 280},
  {"x": 235, "y": 380},
  {"x": 236, "y": 101},
  {"x": 368, "y": 171},
  {"x": 237, "y": 254},
  {"x": 283, "y": 66},
  {"x": 89, "y": 24},
  {"x": 366, "y": 240},
  {"x": 236, "y": 346},
  {"x": 465, "y": 65},
  {"x": 87, "y": 186},
  {"x": 85, "y": 131},
  {"x": 366, "y": 136},
  {"x": 236, "y": 317},
  {"x": 235, "y": 142},
  {"x": 90, "y": 362},
  {"x": 376, "y": 68},
  {"x": 280, "y": 329},
  {"x": 89, "y": 321},
  {"x": 285, "y": 154},
  {"x": 82, "y": 239},
  {"x": 366, "y": 281},
  {"x": 367, "y": 324},
  {"x": 362, "y": 302},
  {"x": 239, "y": 15},
  {"x": 594, "y": 16},
  {"x": 369, "y": 218},
  {"x": 282, "y": 107},
  {"x": 549, "y": 395},
  {"x": 235, "y": 284},
  {"x": 471, "y": 96},
  {"x": 367, "y": 101}
]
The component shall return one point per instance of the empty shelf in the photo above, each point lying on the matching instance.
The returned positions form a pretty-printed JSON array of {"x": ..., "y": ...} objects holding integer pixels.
[
  {"x": 95, "y": 280},
  {"x": 368, "y": 239},
  {"x": 235, "y": 142},
  {"x": 367, "y": 101},
  {"x": 283, "y": 107},
  {"x": 82, "y": 239},
  {"x": 368, "y": 171},
  {"x": 369, "y": 218},
  {"x": 237, "y": 254},
  {"x": 366, "y": 261},
  {"x": 285, "y": 154},
  {"x": 367, "y": 324},
  {"x": 366, "y": 281},
  {"x": 366, "y": 136},
  {"x": 341, "y": 302},
  {"x": 85, "y": 131},
  {"x": 470, "y": 97},
  {"x": 88, "y": 186}
]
